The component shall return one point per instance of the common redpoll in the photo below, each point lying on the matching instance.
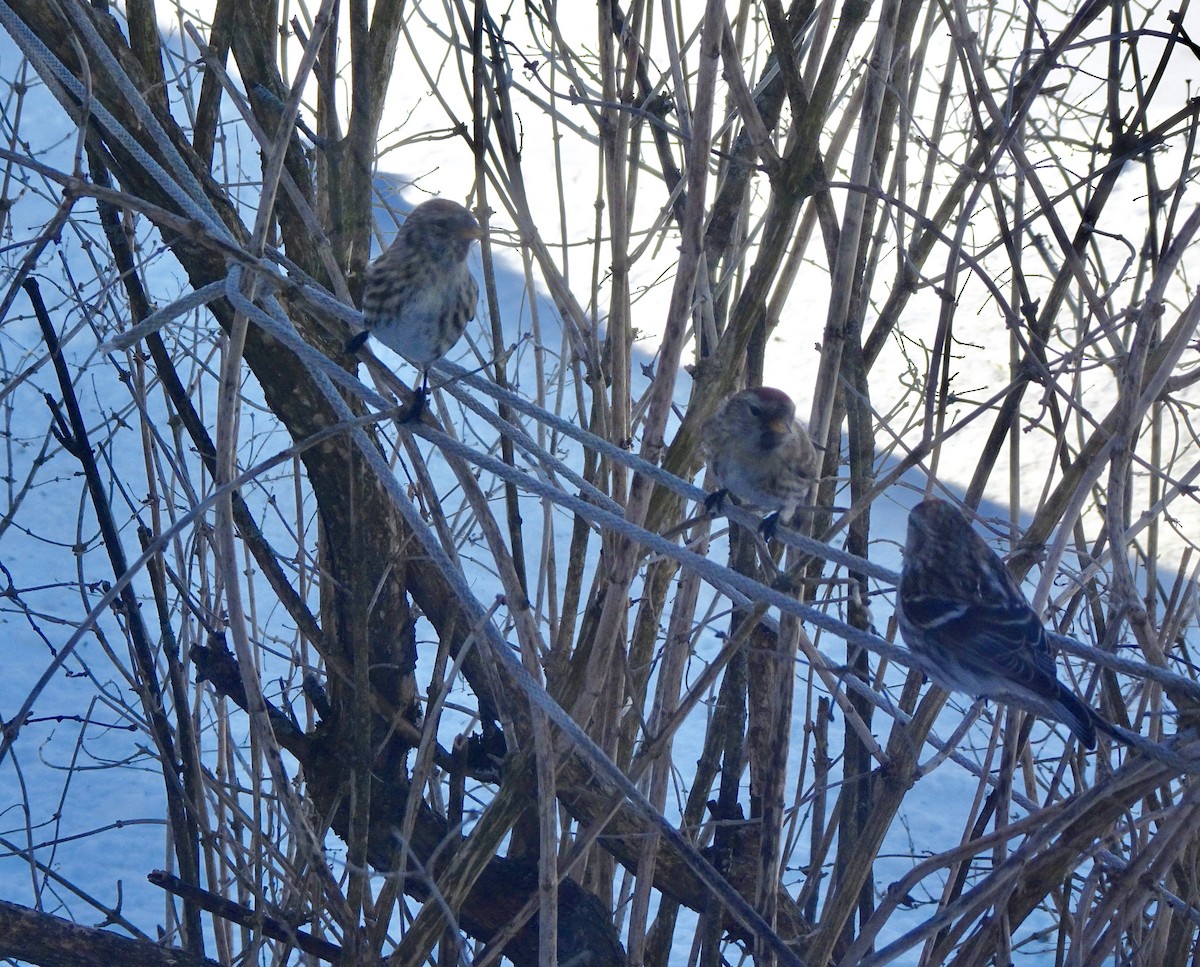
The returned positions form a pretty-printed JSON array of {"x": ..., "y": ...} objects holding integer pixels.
[
  {"x": 419, "y": 295},
  {"x": 760, "y": 453},
  {"x": 966, "y": 620}
]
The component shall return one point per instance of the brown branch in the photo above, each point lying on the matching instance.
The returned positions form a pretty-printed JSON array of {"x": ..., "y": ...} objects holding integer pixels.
[
  {"x": 71, "y": 431},
  {"x": 49, "y": 941},
  {"x": 244, "y": 916}
]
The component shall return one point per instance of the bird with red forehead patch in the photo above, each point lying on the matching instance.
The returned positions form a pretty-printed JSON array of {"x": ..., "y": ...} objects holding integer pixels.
[
  {"x": 760, "y": 453},
  {"x": 419, "y": 295},
  {"x": 971, "y": 628}
]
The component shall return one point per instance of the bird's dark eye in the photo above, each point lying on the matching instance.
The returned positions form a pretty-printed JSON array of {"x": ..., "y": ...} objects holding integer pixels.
[{"x": 756, "y": 410}]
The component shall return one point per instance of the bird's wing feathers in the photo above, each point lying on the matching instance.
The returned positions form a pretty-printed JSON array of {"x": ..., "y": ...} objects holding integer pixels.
[
  {"x": 470, "y": 296},
  {"x": 1008, "y": 638}
]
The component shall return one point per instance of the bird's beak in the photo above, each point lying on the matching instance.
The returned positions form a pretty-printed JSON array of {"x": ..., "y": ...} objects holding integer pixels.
[
  {"x": 779, "y": 426},
  {"x": 472, "y": 231}
]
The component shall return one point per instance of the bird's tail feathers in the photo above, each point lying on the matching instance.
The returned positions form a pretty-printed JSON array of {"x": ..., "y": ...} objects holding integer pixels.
[{"x": 1076, "y": 716}]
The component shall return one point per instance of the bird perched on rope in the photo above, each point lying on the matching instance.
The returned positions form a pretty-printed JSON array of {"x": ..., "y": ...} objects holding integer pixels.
[
  {"x": 419, "y": 295},
  {"x": 971, "y": 628},
  {"x": 760, "y": 453}
]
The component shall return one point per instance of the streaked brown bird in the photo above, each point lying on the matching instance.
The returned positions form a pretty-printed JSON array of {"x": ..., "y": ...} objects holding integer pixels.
[
  {"x": 972, "y": 629},
  {"x": 419, "y": 295},
  {"x": 760, "y": 453}
]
